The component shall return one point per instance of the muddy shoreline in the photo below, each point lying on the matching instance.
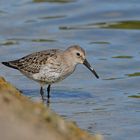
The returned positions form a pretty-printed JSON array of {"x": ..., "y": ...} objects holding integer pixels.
[{"x": 21, "y": 118}]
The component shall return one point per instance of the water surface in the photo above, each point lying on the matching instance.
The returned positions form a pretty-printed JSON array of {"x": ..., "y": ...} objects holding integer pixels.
[{"x": 109, "y": 31}]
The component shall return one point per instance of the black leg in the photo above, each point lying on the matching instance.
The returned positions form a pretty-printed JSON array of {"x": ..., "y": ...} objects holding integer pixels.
[
  {"x": 42, "y": 93},
  {"x": 48, "y": 90}
]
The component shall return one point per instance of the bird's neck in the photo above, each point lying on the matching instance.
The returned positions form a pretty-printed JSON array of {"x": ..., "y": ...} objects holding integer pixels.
[{"x": 68, "y": 59}]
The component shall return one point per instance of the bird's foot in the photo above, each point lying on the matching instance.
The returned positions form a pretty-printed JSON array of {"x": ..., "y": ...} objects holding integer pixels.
[{"x": 48, "y": 102}]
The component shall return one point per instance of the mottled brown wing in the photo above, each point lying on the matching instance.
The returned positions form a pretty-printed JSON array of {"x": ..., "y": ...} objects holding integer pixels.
[{"x": 33, "y": 62}]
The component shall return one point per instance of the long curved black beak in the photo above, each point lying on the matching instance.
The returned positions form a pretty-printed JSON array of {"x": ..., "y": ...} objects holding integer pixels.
[{"x": 90, "y": 68}]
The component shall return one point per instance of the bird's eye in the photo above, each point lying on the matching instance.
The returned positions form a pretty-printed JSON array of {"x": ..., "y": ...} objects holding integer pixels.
[{"x": 78, "y": 54}]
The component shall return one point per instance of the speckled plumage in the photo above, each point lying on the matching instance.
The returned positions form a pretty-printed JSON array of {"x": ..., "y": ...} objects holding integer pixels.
[
  {"x": 50, "y": 66},
  {"x": 34, "y": 64}
]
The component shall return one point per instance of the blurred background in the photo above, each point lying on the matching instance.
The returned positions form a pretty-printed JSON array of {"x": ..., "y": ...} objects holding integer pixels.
[{"x": 109, "y": 31}]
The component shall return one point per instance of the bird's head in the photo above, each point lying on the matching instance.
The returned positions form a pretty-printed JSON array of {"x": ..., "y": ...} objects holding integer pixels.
[{"x": 78, "y": 56}]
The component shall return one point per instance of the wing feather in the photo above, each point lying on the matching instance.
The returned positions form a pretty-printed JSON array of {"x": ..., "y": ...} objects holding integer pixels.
[{"x": 33, "y": 62}]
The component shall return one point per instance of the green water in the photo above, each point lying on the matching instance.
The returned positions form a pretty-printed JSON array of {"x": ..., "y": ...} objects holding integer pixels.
[{"x": 109, "y": 31}]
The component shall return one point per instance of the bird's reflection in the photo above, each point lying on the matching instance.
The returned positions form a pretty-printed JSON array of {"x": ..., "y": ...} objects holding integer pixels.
[{"x": 46, "y": 101}]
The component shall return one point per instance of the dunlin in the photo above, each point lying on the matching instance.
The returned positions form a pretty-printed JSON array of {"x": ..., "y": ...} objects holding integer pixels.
[{"x": 51, "y": 66}]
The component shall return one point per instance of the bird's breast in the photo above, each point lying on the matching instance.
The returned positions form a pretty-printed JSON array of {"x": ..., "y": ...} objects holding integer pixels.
[
  {"x": 53, "y": 73},
  {"x": 48, "y": 74}
]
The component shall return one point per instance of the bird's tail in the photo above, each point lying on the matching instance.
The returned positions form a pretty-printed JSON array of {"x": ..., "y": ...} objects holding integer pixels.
[{"x": 9, "y": 64}]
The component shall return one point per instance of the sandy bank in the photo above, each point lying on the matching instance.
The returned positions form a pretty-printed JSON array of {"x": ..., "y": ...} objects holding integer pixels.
[{"x": 22, "y": 119}]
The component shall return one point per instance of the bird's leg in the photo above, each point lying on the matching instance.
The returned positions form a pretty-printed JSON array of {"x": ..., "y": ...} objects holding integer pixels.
[
  {"x": 48, "y": 90},
  {"x": 42, "y": 93}
]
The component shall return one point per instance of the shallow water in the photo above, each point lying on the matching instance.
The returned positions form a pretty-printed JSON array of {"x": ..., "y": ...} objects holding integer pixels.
[{"x": 110, "y": 33}]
